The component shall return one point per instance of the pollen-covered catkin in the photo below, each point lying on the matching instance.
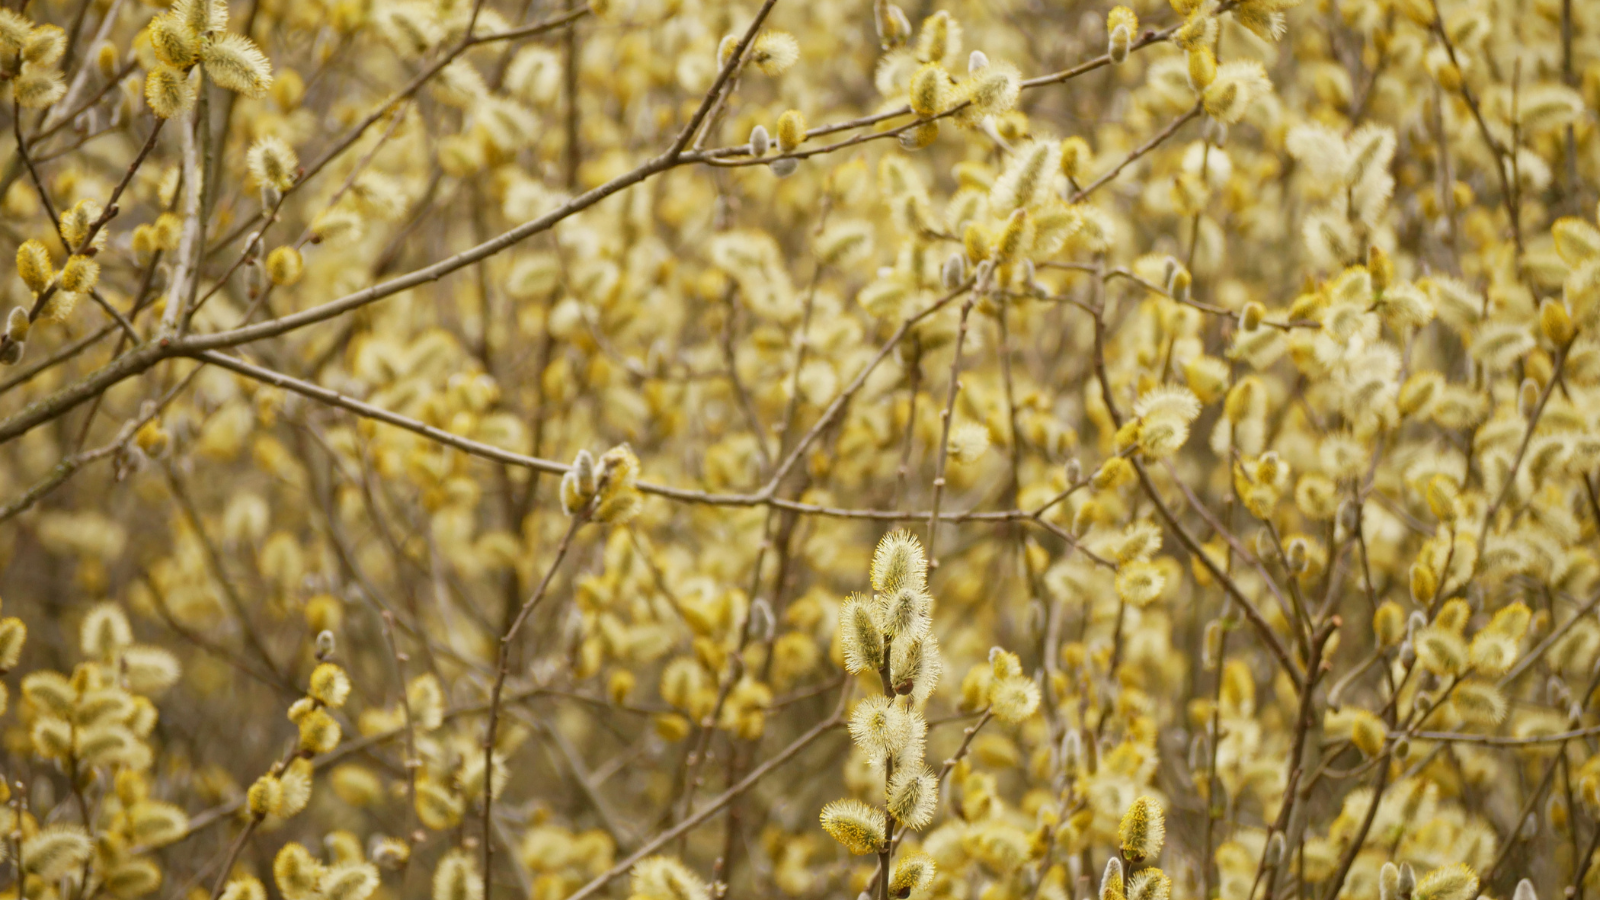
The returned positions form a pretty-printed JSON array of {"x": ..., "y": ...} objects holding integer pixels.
[
  {"x": 1143, "y": 830},
  {"x": 928, "y": 89},
  {"x": 234, "y": 62},
  {"x": 169, "y": 91},
  {"x": 34, "y": 266},
  {"x": 284, "y": 266},
  {"x": 899, "y": 564},
  {"x": 791, "y": 131},
  {"x": 855, "y": 825},
  {"x": 773, "y": 52},
  {"x": 37, "y": 87},
  {"x": 329, "y": 685},
  {"x": 79, "y": 275},
  {"x": 55, "y": 850},
  {"x": 272, "y": 161},
  {"x": 173, "y": 42}
]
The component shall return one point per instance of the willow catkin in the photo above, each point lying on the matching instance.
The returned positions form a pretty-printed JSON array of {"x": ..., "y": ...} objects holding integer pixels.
[
  {"x": 1121, "y": 25},
  {"x": 56, "y": 850},
  {"x": 175, "y": 45},
  {"x": 913, "y": 872},
  {"x": 34, "y": 266},
  {"x": 272, "y": 161},
  {"x": 297, "y": 874},
  {"x": 1149, "y": 883},
  {"x": 329, "y": 685},
  {"x": 667, "y": 878},
  {"x": 14, "y": 31},
  {"x": 234, "y": 62},
  {"x": 245, "y": 887},
  {"x": 13, "y": 635},
  {"x": 169, "y": 91},
  {"x": 264, "y": 796},
  {"x": 913, "y": 796},
  {"x": 1143, "y": 830},
  {"x": 457, "y": 878},
  {"x": 319, "y": 732},
  {"x": 1452, "y": 882},
  {"x": 349, "y": 881},
  {"x": 1111, "y": 883},
  {"x": 156, "y": 824},
  {"x": 773, "y": 52},
  {"x": 855, "y": 825},
  {"x": 37, "y": 87}
]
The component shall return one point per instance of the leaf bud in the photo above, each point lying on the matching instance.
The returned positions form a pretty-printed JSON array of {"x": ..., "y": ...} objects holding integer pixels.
[
  {"x": 1072, "y": 750},
  {"x": 1556, "y": 322},
  {"x": 1276, "y": 846},
  {"x": 1530, "y": 827},
  {"x": 892, "y": 25},
  {"x": 1121, "y": 42},
  {"x": 17, "y": 324},
  {"x": 1250, "y": 317},
  {"x": 254, "y": 279},
  {"x": 1199, "y": 753},
  {"x": 106, "y": 59},
  {"x": 1111, "y": 880},
  {"x": 1449, "y": 76},
  {"x": 1527, "y": 397},
  {"x": 1380, "y": 266},
  {"x": 1202, "y": 68},
  {"x": 1211, "y": 648},
  {"x": 762, "y": 622},
  {"x": 954, "y": 272},
  {"x": 1121, "y": 26},
  {"x": 578, "y": 485},
  {"x": 1556, "y": 691},
  {"x": 1388, "y": 882}
]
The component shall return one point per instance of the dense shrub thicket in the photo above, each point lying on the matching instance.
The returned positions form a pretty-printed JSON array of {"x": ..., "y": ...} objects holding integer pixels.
[{"x": 685, "y": 449}]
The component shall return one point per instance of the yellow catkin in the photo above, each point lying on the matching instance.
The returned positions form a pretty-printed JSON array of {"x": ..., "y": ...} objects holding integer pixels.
[
  {"x": 34, "y": 266},
  {"x": 791, "y": 130},
  {"x": 855, "y": 825},
  {"x": 1143, "y": 830}
]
